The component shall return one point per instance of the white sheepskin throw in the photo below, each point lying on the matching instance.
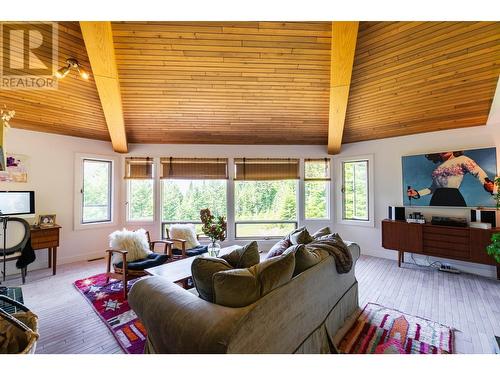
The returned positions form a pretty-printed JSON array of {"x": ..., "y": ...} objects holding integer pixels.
[
  {"x": 136, "y": 243},
  {"x": 184, "y": 232}
]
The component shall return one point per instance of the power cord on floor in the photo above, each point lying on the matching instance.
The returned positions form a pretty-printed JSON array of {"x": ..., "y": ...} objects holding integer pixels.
[{"x": 436, "y": 264}]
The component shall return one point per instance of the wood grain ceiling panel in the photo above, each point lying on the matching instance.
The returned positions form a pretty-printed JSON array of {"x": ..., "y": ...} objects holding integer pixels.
[
  {"x": 73, "y": 109},
  {"x": 268, "y": 82},
  {"x": 224, "y": 82},
  {"x": 414, "y": 77}
]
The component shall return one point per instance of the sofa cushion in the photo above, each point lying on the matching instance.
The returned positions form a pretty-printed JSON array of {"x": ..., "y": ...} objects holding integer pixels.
[
  {"x": 185, "y": 232},
  {"x": 242, "y": 287},
  {"x": 244, "y": 257},
  {"x": 306, "y": 256},
  {"x": 321, "y": 232},
  {"x": 279, "y": 248},
  {"x": 202, "y": 271},
  {"x": 300, "y": 237}
]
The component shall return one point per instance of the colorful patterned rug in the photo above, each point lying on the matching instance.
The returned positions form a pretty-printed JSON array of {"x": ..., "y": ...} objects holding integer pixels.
[
  {"x": 379, "y": 330},
  {"x": 107, "y": 301}
]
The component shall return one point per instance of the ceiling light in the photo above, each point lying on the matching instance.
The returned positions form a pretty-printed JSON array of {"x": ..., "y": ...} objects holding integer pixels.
[{"x": 72, "y": 63}]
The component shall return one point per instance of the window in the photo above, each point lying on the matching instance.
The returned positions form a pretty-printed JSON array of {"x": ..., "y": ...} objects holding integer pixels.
[
  {"x": 140, "y": 204},
  {"x": 355, "y": 198},
  {"x": 190, "y": 185},
  {"x": 265, "y": 197},
  {"x": 139, "y": 173},
  {"x": 96, "y": 191},
  {"x": 317, "y": 188}
]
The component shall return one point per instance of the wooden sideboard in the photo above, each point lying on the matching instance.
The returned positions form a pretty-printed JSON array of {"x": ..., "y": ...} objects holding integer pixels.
[
  {"x": 459, "y": 243},
  {"x": 47, "y": 238}
]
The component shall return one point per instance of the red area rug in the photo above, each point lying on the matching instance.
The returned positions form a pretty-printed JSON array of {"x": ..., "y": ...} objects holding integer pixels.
[
  {"x": 379, "y": 330},
  {"x": 107, "y": 301}
]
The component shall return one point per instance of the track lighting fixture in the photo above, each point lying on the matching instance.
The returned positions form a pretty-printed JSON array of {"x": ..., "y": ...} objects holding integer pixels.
[{"x": 72, "y": 63}]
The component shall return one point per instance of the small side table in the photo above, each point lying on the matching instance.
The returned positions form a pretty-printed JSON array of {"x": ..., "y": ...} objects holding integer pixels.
[{"x": 47, "y": 238}]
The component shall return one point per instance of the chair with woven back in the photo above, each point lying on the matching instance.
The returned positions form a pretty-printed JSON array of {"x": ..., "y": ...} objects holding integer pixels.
[{"x": 127, "y": 270}]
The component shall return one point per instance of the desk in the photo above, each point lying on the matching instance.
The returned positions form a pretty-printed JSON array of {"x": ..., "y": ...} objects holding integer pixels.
[{"x": 47, "y": 238}]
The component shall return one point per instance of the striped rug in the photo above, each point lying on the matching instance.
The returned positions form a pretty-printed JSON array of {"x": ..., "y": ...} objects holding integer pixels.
[
  {"x": 107, "y": 301},
  {"x": 380, "y": 330}
]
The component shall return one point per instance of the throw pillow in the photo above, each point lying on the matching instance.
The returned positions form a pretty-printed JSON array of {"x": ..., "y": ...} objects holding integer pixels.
[
  {"x": 279, "y": 248},
  {"x": 244, "y": 257},
  {"x": 134, "y": 242},
  {"x": 242, "y": 287},
  {"x": 202, "y": 272},
  {"x": 306, "y": 256},
  {"x": 184, "y": 232},
  {"x": 300, "y": 237},
  {"x": 321, "y": 232}
]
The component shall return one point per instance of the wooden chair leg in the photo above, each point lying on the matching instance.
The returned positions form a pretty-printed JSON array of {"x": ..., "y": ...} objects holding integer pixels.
[
  {"x": 125, "y": 274},
  {"x": 108, "y": 268}
]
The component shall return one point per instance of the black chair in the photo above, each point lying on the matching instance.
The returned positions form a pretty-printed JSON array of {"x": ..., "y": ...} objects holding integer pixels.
[{"x": 126, "y": 271}]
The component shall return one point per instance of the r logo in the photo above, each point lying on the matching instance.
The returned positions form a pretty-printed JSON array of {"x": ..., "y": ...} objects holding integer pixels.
[{"x": 29, "y": 55}]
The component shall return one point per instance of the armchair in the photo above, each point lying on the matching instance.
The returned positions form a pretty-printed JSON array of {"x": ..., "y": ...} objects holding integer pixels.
[
  {"x": 126, "y": 270},
  {"x": 179, "y": 249}
]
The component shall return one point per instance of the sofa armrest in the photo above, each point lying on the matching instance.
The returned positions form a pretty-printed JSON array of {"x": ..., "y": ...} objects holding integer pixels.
[
  {"x": 355, "y": 250},
  {"x": 177, "y": 321}
]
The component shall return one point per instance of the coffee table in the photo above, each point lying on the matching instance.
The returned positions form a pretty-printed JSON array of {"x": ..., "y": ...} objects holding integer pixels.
[{"x": 180, "y": 270}]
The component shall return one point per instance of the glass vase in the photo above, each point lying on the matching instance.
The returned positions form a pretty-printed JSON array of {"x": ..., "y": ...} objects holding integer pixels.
[{"x": 214, "y": 249}]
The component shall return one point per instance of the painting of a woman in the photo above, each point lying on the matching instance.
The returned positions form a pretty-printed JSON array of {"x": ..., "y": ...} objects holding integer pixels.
[{"x": 449, "y": 169}]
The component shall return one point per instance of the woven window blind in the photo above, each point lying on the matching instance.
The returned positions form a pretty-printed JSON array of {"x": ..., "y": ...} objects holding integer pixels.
[
  {"x": 254, "y": 169},
  {"x": 194, "y": 168},
  {"x": 317, "y": 169},
  {"x": 140, "y": 168}
]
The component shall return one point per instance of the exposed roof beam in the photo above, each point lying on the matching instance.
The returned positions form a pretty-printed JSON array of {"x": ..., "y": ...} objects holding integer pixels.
[
  {"x": 98, "y": 37},
  {"x": 344, "y": 35}
]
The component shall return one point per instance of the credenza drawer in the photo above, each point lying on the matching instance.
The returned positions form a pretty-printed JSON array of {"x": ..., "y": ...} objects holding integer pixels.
[{"x": 446, "y": 231}]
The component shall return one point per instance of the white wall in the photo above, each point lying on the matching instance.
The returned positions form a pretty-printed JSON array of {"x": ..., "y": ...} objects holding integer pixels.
[
  {"x": 51, "y": 176},
  {"x": 388, "y": 182}
]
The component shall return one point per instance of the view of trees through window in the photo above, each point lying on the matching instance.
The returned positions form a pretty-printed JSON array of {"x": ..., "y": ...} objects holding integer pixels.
[
  {"x": 96, "y": 190},
  {"x": 260, "y": 201},
  {"x": 182, "y": 200},
  {"x": 317, "y": 173},
  {"x": 355, "y": 193},
  {"x": 140, "y": 203}
]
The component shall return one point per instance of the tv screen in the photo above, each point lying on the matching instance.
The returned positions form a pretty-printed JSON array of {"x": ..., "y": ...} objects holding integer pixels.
[{"x": 17, "y": 202}]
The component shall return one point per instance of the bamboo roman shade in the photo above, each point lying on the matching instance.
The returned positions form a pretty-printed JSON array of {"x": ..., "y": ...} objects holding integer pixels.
[
  {"x": 194, "y": 168},
  {"x": 317, "y": 169},
  {"x": 253, "y": 169},
  {"x": 140, "y": 168}
]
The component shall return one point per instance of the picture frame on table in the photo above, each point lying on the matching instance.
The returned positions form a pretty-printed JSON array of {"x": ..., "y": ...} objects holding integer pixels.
[{"x": 46, "y": 221}]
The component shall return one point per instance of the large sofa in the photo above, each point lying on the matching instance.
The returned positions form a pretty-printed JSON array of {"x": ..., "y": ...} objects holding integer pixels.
[{"x": 301, "y": 316}]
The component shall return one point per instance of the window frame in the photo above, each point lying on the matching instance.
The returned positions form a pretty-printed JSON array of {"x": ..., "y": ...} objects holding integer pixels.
[
  {"x": 80, "y": 159},
  {"x": 339, "y": 168},
  {"x": 128, "y": 220},
  {"x": 159, "y": 207},
  {"x": 329, "y": 195},
  {"x": 265, "y": 238}
]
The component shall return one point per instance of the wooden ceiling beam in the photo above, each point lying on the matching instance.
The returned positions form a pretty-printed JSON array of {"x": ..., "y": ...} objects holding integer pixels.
[
  {"x": 344, "y": 35},
  {"x": 98, "y": 37}
]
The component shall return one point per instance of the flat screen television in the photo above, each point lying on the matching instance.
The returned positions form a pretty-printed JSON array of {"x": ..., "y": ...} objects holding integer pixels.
[{"x": 17, "y": 202}]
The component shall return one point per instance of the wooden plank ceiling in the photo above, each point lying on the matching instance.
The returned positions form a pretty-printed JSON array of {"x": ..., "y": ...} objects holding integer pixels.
[
  {"x": 220, "y": 82},
  {"x": 269, "y": 82},
  {"x": 74, "y": 108},
  {"x": 415, "y": 77}
]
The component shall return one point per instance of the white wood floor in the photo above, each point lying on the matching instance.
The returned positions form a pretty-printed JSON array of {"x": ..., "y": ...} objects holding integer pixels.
[{"x": 469, "y": 303}]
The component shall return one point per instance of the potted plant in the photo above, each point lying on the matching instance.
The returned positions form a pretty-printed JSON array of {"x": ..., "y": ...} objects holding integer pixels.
[
  {"x": 215, "y": 229},
  {"x": 494, "y": 248}
]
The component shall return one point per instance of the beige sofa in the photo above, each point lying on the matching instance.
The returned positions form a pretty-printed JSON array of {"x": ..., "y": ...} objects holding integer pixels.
[{"x": 302, "y": 316}]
